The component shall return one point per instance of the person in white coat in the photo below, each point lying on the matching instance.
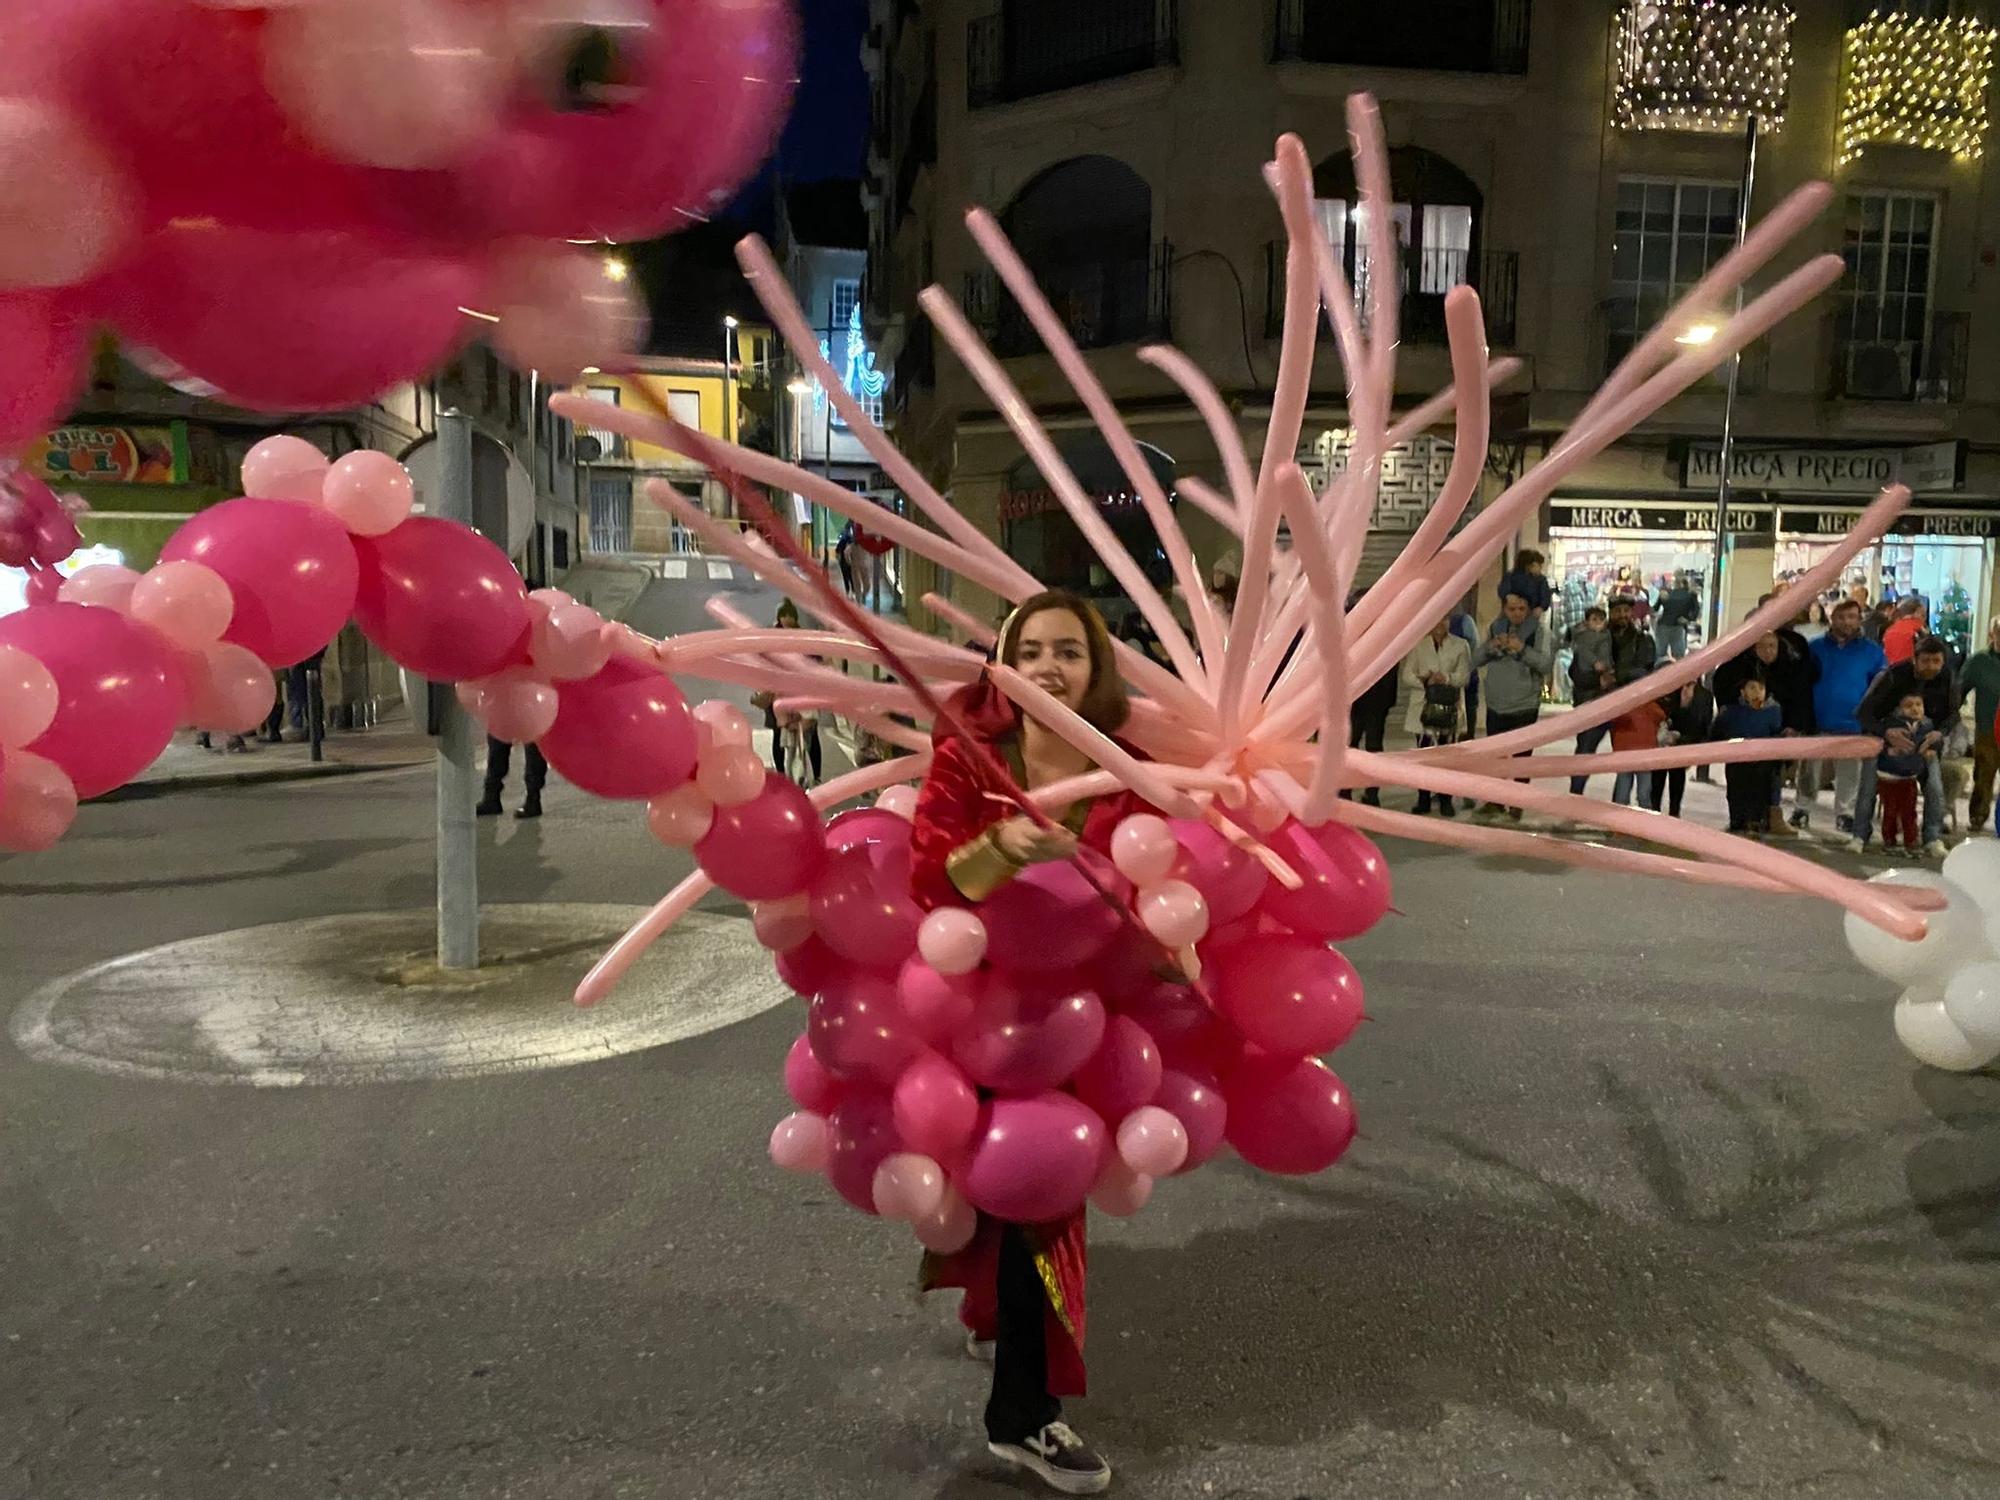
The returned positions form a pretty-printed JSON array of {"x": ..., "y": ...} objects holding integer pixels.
[{"x": 1435, "y": 673}]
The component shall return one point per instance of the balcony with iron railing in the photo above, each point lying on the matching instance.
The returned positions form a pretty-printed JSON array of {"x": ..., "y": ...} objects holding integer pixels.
[
  {"x": 1101, "y": 303},
  {"x": 1427, "y": 276},
  {"x": 1033, "y": 47},
  {"x": 1447, "y": 36},
  {"x": 1929, "y": 370}
]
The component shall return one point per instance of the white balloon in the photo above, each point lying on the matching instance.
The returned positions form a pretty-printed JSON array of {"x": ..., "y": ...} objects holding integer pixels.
[
  {"x": 1972, "y": 1000},
  {"x": 1932, "y": 1037},
  {"x": 1957, "y": 934},
  {"x": 1975, "y": 865}
]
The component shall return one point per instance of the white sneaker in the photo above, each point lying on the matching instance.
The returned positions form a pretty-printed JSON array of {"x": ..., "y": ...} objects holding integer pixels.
[
  {"x": 1856, "y": 846},
  {"x": 1059, "y": 1458},
  {"x": 979, "y": 1348},
  {"x": 1935, "y": 849}
]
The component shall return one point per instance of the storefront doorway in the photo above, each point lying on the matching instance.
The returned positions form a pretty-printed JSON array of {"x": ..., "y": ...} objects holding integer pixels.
[{"x": 1041, "y": 536}]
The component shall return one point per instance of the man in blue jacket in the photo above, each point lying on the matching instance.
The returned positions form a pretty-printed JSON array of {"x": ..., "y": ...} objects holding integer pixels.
[{"x": 1848, "y": 662}]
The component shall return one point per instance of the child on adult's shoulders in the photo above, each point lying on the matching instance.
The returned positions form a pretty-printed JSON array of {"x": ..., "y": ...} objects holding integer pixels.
[{"x": 1525, "y": 579}]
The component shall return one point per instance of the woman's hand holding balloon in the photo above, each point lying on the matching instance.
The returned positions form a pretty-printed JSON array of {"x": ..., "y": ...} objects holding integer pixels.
[{"x": 1026, "y": 842}]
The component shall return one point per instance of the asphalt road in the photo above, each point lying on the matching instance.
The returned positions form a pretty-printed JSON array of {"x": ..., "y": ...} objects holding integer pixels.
[{"x": 1647, "y": 1202}]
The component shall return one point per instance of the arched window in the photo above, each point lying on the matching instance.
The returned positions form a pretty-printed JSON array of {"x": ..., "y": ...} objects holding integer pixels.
[
  {"x": 1436, "y": 216},
  {"x": 1085, "y": 228}
]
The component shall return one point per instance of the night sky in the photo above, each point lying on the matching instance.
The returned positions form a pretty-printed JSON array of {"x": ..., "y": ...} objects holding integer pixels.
[{"x": 827, "y": 135}]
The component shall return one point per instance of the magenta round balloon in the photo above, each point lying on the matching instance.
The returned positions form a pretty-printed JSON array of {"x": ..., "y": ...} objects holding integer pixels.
[
  {"x": 1123, "y": 1073},
  {"x": 1195, "y": 1099},
  {"x": 1229, "y": 879},
  {"x": 859, "y": 1032},
  {"x": 1289, "y": 996},
  {"x": 1020, "y": 1043},
  {"x": 812, "y": 1088},
  {"x": 443, "y": 602},
  {"x": 936, "y": 1108},
  {"x": 1034, "y": 1160},
  {"x": 624, "y": 733},
  {"x": 291, "y": 570},
  {"x": 866, "y": 825},
  {"x": 810, "y": 967},
  {"x": 1048, "y": 918},
  {"x": 861, "y": 905},
  {"x": 120, "y": 691},
  {"x": 1289, "y": 1116},
  {"x": 864, "y": 1134},
  {"x": 1346, "y": 889},
  {"x": 767, "y": 847},
  {"x": 317, "y": 320},
  {"x": 705, "y": 88}
]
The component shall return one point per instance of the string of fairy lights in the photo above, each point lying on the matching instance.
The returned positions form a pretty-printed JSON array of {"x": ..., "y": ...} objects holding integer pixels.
[
  {"x": 1915, "y": 81},
  {"x": 1702, "y": 65}
]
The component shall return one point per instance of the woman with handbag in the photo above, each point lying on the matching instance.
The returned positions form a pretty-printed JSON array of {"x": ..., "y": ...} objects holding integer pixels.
[{"x": 1436, "y": 672}]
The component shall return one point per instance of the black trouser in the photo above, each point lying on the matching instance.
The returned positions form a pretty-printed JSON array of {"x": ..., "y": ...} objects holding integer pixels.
[
  {"x": 499, "y": 755},
  {"x": 1366, "y": 730},
  {"x": 1750, "y": 793},
  {"x": 1674, "y": 784},
  {"x": 812, "y": 750},
  {"x": 1499, "y": 723},
  {"x": 1020, "y": 1405}
]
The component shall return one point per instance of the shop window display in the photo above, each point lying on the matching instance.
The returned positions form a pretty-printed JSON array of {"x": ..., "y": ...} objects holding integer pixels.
[{"x": 1588, "y": 567}]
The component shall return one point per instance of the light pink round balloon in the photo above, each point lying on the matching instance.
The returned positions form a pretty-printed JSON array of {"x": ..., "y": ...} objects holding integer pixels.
[
  {"x": 107, "y": 585},
  {"x": 568, "y": 642},
  {"x": 725, "y": 722},
  {"x": 186, "y": 602},
  {"x": 386, "y": 83},
  {"x": 562, "y": 312},
  {"x": 1174, "y": 912},
  {"x": 37, "y": 802},
  {"x": 952, "y": 941},
  {"x": 1121, "y": 1192},
  {"x": 681, "y": 818},
  {"x": 951, "y": 1228},
  {"x": 1152, "y": 1142},
  {"x": 801, "y": 1143},
  {"x": 900, "y": 800},
  {"x": 229, "y": 688},
  {"x": 908, "y": 1187},
  {"x": 368, "y": 492},
  {"x": 730, "y": 775},
  {"x": 69, "y": 209},
  {"x": 285, "y": 468},
  {"x": 1143, "y": 848},
  {"x": 28, "y": 698},
  {"x": 517, "y": 706},
  {"x": 783, "y": 924}
]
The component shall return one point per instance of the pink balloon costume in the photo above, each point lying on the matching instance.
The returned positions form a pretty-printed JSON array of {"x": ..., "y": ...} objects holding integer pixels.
[{"x": 313, "y": 212}]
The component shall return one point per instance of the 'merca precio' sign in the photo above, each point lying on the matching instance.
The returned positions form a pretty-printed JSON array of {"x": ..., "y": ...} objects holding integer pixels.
[
  {"x": 1928, "y": 468},
  {"x": 1630, "y": 516}
]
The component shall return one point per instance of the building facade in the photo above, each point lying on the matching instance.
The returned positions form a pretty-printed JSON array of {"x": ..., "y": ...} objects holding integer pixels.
[{"x": 1579, "y": 162}]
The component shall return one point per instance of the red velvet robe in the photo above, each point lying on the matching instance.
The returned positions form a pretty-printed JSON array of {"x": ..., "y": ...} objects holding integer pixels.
[{"x": 953, "y": 809}]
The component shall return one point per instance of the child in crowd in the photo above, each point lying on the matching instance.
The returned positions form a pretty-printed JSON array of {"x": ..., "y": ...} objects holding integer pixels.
[
  {"x": 1754, "y": 716},
  {"x": 1525, "y": 579},
  {"x": 1636, "y": 729},
  {"x": 1589, "y": 644},
  {"x": 1897, "y": 772}
]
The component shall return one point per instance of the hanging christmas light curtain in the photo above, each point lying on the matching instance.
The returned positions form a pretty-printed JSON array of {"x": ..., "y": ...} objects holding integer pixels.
[
  {"x": 1914, "y": 81},
  {"x": 1702, "y": 65}
]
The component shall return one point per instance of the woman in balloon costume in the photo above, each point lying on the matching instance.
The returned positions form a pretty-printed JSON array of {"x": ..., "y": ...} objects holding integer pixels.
[{"x": 1024, "y": 1283}]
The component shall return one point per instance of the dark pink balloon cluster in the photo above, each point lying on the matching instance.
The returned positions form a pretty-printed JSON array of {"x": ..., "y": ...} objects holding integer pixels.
[
  {"x": 1028, "y": 1057},
  {"x": 292, "y": 202},
  {"x": 37, "y": 528},
  {"x": 94, "y": 682}
]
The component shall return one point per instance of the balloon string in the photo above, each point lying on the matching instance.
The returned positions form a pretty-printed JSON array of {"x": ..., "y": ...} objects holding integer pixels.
[{"x": 837, "y": 607}]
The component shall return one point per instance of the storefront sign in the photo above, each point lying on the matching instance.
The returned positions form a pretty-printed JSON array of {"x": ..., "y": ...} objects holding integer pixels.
[
  {"x": 1928, "y": 468},
  {"x": 1636, "y": 516},
  {"x": 110, "y": 455},
  {"x": 1808, "y": 523},
  {"x": 1018, "y": 505}
]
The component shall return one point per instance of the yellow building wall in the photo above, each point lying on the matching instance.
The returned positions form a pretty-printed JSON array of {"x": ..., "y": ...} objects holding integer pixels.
[{"x": 754, "y": 348}]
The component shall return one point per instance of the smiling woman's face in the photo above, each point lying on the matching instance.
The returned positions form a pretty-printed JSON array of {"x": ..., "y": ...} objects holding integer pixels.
[{"x": 1052, "y": 651}]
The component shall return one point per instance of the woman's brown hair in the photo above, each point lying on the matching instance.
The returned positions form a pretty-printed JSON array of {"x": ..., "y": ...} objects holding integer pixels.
[{"x": 1105, "y": 706}]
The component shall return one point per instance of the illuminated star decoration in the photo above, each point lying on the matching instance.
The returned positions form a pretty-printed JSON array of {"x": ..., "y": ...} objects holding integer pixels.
[{"x": 1252, "y": 714}]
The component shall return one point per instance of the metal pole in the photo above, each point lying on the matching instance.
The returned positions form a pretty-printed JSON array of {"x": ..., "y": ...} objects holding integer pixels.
[
  {"x": 1728, "y": 449},
  {"x": 457, "y": 848}
]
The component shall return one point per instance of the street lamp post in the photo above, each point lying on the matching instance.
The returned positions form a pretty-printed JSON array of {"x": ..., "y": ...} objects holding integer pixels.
[
  {"x": 1727, "y": 451},
  {"x": 728, "y": 368}
]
